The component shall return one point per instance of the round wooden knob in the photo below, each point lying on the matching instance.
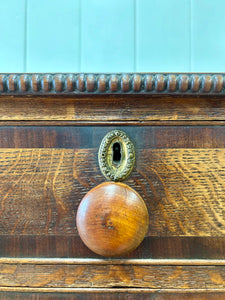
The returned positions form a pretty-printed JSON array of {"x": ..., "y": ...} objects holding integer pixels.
[{"x": 112, "y": 219}]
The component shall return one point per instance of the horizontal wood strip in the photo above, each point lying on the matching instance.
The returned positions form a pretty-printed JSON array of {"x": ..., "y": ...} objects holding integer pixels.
[
  {"x": 102, "y": 276},
  {"x": 150, "y": 137},
  {"x": 79, "y": 292},
  {"x": 109, "y": 294},
  {"x": 72, "y": 247},
  {"x": 183, "y": 190},
  {"x": 125, "y": 123},
  {"x": 108, "y": 261},
  {"x": 112, "y": 108}
]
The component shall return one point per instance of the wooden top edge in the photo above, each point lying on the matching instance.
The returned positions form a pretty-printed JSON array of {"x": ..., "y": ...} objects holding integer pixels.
[
  {"x": 96, "y": 261},
  {"x": 118, "y": 83}
]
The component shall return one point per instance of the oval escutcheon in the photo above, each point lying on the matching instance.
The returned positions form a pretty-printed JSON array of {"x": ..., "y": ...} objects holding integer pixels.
[{"x": 116, "y": 155}]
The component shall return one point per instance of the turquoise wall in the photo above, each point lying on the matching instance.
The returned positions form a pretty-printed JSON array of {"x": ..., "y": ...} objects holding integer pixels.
[{"x": 112, "y": 36}]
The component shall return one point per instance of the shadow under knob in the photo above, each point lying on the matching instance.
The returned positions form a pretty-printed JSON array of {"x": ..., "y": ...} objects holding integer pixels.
[{"x": 112, "y": 219}]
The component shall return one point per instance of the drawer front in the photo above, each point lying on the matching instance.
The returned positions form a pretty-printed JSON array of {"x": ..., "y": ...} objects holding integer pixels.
[
  {"x": 51, "y": 127},
  {"x": 46, "y": 171}
]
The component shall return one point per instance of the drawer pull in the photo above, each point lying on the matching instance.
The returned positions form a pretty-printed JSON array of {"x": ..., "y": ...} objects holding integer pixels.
[{"x": 112, "y": 219}]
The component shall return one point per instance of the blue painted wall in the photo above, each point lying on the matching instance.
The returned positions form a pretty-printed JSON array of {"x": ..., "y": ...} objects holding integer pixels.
[{"x": 112, "y": 36}]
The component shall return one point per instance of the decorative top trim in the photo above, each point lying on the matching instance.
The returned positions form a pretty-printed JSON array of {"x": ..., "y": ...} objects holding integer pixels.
[{"x": 138, "y": 83}]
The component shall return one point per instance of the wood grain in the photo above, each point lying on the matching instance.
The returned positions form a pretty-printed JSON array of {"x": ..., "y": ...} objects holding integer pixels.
[
  {"x": 112, "y": 261},
  {"x": 186, "y": 187},
  {"x": 59, "y": 246},
  {"x": 110, "y": 108},
  {"x": 45, "y": 172},
  {"x": 104, "y": 276},
  {"x": 109, "y": 294},
  {"x": 182, "y": 188},
  {"x": 150, "y": 137}
]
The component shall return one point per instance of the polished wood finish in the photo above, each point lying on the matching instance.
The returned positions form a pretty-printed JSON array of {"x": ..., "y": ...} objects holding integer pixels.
[
  {"x": 90, "y": 137},
  {"x": 62, "y": 240},
  {"x": 143, "y": 83},
  {"x": 91, "y": 110},
  {"x": 106, "y": 276},
  {"x": 31, "y": 178},
  {"x": 112, "y": 219},
  {"x": 71, "y": 246},
  {"x": 110, "y": 294},
  {"x": 51, "y": 126}
]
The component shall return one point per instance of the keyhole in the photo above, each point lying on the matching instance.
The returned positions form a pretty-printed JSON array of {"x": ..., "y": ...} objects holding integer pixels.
[{"x": 116, "y": 153}]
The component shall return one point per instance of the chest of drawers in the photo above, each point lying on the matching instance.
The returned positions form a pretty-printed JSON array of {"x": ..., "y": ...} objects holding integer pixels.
[{"x": 51, "y": 128}]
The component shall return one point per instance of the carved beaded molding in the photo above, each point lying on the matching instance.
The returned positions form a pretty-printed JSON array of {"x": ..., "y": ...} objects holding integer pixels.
[{"x": 139, "y": 83}]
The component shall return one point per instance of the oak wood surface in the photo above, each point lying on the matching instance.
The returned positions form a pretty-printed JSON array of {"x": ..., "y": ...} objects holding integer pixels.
[
  {"x": 106, "y": 276},
  {"x": 176, "y": 185},
  {"x": 119, "y": 108},
  {"x": 33, "y": 241}
]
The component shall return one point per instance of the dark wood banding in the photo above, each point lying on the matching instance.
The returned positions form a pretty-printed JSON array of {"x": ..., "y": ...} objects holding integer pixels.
[
  {"x": 166, "y": 248},
  {"x": 70, "y": 293}
]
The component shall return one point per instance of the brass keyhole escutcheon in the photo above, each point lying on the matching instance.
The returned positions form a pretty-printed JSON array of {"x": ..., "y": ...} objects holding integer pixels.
[{"x": 116, "y": 155}]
